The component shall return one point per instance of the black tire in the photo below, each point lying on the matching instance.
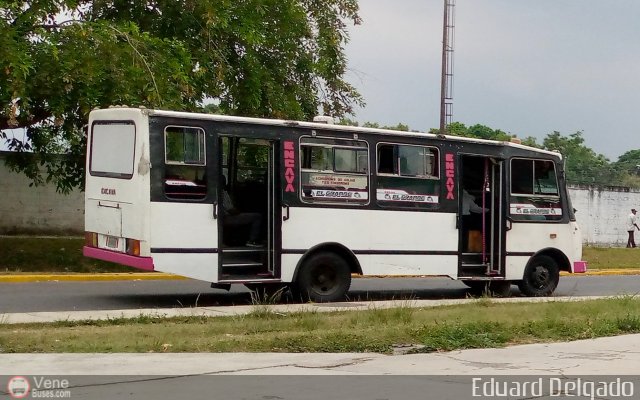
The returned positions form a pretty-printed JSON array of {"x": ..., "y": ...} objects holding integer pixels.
[
  {"x": 324, "y": 277},
  {"x": 540, "y": 278}
]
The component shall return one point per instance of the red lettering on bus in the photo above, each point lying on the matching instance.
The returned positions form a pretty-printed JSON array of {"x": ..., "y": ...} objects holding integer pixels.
[
  {"x": 289, "y": 165},
  {"x": 450, "y": 173}
]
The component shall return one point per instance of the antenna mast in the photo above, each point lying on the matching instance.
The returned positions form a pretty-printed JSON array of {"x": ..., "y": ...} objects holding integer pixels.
[{"x": 446, "y": 88}]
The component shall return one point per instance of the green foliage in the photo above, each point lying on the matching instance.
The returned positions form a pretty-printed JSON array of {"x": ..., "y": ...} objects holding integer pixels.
[
  {"x": 628, "y": 165},
  {"x": 477, "y": 131},
  {"x": 430, "y": 329},
  {"x": 60, "y": 59},
  {"x": 399, "y": 127},
  {"x": 583, "y": 165}
]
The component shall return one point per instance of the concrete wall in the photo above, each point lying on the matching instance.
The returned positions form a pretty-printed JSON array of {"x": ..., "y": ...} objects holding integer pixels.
[
  {"x": 37, "y": 210},
  {"x": 601, "y": 212}
]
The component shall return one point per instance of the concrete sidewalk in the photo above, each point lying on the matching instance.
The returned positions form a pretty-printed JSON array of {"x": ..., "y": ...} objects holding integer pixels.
[{"x": 618, "y": 355}]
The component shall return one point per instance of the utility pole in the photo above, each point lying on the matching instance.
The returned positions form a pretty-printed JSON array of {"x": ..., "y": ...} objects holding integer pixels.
[{"x": 446, "y": 85}]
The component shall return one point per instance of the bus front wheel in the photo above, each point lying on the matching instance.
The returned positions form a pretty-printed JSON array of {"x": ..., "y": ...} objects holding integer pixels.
[
  {"x": 324, "y": 277},
  {"x": 540, "y": 278}
]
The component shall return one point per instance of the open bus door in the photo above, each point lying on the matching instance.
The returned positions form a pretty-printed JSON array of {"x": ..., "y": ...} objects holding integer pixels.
[
  {"x": 249, "y": 229},
  {"x": 481, "y": 219}
]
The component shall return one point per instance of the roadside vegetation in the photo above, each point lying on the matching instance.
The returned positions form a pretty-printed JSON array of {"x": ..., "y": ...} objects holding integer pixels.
[
  {"x": 51, "y": 254},
  {"x": 61, "y": 254},
  {"x": 481, "y": 324}
]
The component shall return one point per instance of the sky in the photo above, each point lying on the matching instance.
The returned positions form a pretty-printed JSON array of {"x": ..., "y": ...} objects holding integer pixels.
[{"x": 526, "y": 67}]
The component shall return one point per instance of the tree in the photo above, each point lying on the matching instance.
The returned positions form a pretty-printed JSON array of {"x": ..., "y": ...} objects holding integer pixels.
[
  {"x": 475, "y": 131},
  {"x": 628, "y": 165},
  {"x": 583, "y": 165},
  {"x": 61, "y": 58}
]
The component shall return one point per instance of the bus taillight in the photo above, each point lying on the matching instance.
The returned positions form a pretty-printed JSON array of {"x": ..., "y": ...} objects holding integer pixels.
[
  {"x": 133, "y": 247},
  {"x": 91, "y": 239}
]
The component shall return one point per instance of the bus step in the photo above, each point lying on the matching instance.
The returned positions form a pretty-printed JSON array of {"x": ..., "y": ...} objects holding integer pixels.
[
  {"x": 247, "y": 264},
  {"x": 241, "y": 278},
  {"x": 243, "y": 250},
  {"x": 243, "y": 257}
]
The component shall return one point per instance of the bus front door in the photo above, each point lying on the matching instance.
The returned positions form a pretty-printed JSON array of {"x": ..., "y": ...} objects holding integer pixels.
[
  {"x": 480, "y": 218},
  {"x": 247, "y": 203}
]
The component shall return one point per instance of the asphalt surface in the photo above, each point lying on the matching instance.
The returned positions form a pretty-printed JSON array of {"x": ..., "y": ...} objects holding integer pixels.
[{"x": 50, "y": 296}]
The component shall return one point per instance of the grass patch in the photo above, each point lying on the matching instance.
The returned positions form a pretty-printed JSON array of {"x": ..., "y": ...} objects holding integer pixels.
[
  {"x": 446, "y": 328},
  {"x": 611, "y": 257},
  {"x": 58, "y": 254}
]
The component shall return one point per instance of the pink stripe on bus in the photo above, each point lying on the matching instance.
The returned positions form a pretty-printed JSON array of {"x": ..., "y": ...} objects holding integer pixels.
[{"x": 145, "y": 263}]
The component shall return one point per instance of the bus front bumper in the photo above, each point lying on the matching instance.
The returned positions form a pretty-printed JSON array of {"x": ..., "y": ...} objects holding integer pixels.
[
  {"x": 144, "y": 263},
  {"x": 579, "y": 267}
]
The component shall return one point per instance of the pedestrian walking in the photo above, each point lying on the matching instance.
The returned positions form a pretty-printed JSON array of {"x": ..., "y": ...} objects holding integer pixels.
[{"x": 632, "y": 225}]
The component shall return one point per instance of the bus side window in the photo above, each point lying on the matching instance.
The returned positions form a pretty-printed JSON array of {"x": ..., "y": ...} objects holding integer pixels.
[
  {"x": 534, "y": 191},
  {"x": 185, "y": 163},
  {"x": 407, "y": 176},
  {"x": 334, "y": 170}
]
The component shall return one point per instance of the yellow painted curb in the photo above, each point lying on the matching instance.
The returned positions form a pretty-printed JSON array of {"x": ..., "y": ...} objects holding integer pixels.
[
  {"x": 106, "y": 276},
  {"x": 600, "y": 272}
]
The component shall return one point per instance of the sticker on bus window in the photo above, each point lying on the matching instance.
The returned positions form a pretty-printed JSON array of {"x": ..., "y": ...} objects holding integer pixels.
[
  {"x": 337, "y": 194},
  {"x": 346, "y": 181},
  {"x": 530, "y": 209},
  {"x": 179, "y": 182},
  {"x": 402, "y": 196}
]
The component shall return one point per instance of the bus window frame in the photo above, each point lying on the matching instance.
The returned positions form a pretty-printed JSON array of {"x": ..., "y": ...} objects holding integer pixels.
[
  {"x": 204, "y": 146},
  {"x": 540, "y": 195},
  {"x": 397, "y": 159},
  {"x": 407, "y": 206},
  {"x": 133, "y": 159},
  {"x": 334, "y": 145},
  {"x": 204, "y": 166},
  {"x": 560, "y": 197}
]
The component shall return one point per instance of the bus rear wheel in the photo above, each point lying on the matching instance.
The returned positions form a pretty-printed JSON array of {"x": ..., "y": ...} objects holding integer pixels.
[
  {"x": 540, "y": 278},
  {"x": 324, "y": 277}
]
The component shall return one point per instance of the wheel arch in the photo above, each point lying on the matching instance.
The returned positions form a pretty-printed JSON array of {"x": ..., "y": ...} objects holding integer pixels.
[
  {"x": 337, "y": 248},
  {"x": 557, "y": 255}
]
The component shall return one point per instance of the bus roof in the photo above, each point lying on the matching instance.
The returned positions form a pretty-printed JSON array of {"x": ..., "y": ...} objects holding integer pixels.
[{"x": 318, "y": 125}]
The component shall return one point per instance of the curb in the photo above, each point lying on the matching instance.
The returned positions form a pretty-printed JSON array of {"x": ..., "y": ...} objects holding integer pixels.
[
  {"x": 148, "y": 276},
  {"x": 106, "y": 276}
]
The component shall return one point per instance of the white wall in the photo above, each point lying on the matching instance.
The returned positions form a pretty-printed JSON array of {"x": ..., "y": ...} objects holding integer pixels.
[
  {"x": 37, "y": 210},
  {"x": 602, "y": 213}
]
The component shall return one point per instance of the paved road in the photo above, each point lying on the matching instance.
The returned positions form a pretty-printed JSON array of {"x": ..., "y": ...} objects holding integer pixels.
[{"x": 119, "y": 295}]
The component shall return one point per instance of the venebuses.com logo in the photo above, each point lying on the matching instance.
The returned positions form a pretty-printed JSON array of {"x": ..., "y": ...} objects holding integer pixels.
[{"x": 18, "y": 387}]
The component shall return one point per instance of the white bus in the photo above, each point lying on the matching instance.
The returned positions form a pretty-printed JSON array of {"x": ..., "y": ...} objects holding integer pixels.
[{"x": 272, "y": 203}]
